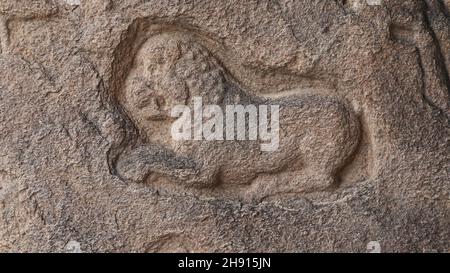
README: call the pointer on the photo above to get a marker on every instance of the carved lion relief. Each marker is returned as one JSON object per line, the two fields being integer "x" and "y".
{"x": 318, "y": 133}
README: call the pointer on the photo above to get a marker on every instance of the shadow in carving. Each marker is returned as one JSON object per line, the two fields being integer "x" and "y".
{"x": 435, "y": 75}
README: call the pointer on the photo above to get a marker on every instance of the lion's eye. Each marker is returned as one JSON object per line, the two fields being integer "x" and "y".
{"x": 160, "y": 102}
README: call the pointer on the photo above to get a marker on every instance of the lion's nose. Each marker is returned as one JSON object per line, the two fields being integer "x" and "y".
{"x": 156, "y": 108}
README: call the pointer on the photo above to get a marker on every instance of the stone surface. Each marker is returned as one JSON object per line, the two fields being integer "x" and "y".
{"x": 88, "y": 164}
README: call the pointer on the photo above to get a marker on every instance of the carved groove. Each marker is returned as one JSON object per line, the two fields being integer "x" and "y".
{"x": 21, "y": 10}
{"x": 435, "y": 75}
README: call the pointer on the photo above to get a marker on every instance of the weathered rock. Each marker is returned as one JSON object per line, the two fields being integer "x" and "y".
{"x": 88, "y": 162}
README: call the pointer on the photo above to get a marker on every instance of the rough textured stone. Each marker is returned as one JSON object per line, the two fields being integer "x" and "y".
{"x": 88, "y": 164}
